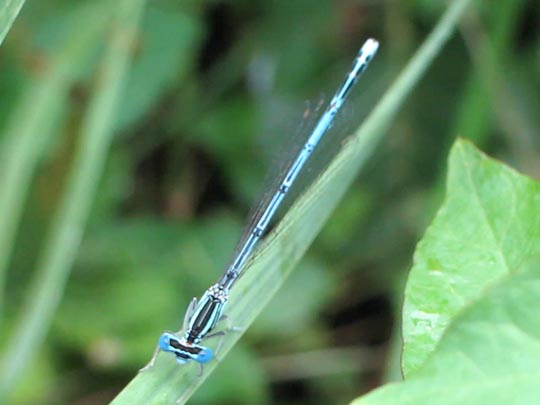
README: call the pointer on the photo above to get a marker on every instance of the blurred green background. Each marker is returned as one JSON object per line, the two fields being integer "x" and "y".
{"x": 212, "y": 87}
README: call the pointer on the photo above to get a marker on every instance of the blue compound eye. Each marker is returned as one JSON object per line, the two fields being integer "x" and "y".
{"x": 205, "y": 355}
{"x": 165, "y": 342}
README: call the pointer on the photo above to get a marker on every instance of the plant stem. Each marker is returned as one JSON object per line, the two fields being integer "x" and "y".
{"x": 68, "y": 225}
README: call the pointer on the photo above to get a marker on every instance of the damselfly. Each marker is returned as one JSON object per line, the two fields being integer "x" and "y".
{"x": 202, "y": 316}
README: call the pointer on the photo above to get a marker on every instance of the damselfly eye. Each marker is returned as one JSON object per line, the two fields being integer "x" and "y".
{"x": 205, "y": 355}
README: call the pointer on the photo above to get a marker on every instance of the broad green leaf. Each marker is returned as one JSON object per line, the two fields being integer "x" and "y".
{"x": 486, "y": 229}
{"x": 490, "y": 353}
{"x": 284, "y": 247}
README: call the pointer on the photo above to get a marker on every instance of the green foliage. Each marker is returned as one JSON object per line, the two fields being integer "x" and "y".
{"x": 38, "y": 110}
{"x": 286, "y": 244}
{"x": 486, "y": 230}
{"x": 211, "y": 90}
{"x": 64, "y": 239}
{"x": 170, "y": 41}
{"x": 470, "y": 321}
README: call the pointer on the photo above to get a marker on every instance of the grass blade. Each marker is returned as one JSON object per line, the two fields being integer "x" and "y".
{"x": 168, "y": 381}
{"x": 30, "y": 126}
{"x": 8, "y": 12}
{"x": 68, "y": 225}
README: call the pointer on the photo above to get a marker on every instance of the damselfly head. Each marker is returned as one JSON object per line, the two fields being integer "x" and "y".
{"x": 183, "y": 350}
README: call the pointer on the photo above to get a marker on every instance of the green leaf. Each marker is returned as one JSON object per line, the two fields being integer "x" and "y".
{"x": 284, "y": 247}
{"x": 471, "y": 320}
{"x": 302, "y": 298}
{"x": 489, "y": 355}
{"x": 485, "y": 230}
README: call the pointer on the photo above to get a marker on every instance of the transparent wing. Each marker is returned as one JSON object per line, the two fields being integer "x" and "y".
{"x": 325, "y": 150}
